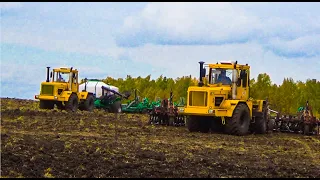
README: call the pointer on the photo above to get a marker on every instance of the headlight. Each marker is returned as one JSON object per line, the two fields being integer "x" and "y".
{"x": 181, "y": 109}
{"x": 55, "y": 97}
{"x": 210, "y": 111}
{"x": 36, "y": 96}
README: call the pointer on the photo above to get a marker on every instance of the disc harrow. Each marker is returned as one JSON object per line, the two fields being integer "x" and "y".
{"x": 302, "y": 123}
{"x": 166, "y": 114}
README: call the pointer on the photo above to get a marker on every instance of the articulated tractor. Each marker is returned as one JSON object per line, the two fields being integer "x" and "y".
{"x": 63, "y": 91}
{"x": 221, "y": 102}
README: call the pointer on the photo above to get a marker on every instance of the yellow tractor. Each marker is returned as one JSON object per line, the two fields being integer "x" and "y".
{"x": 63, "y": 91}
{"x": 221, "y": 102}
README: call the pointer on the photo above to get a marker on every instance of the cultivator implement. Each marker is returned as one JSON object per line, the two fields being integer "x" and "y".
{"x": 166, "y": 114}
{"x": 303, "y": 123}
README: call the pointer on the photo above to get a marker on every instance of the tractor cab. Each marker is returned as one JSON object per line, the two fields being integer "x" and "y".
{"x": 67, "y": 76}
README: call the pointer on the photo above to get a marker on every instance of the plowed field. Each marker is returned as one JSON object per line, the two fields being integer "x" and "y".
{"x": 53, "y": 143}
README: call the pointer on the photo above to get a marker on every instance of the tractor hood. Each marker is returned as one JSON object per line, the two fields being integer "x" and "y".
{"x": 51, "y": 88}
{"x": 218, "y": 90}
{"x": 208, "y": 96}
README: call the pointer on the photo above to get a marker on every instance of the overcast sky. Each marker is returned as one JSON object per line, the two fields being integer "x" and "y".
{"x": 115, "y": 39}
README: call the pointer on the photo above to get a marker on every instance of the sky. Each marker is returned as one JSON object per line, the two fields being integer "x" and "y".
{"x": 117, "y": 39}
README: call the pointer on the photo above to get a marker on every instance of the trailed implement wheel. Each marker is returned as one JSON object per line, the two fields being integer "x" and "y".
{"x": 271, "y": 125}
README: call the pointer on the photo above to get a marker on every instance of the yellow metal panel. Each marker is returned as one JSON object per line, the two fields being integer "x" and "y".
{"x": 228, "y": 66}
{"x": 198, "y": 98}
{"x": 83, "y": 95}
{"x": 226, "y": 109}
{"x": 44, "y": 97}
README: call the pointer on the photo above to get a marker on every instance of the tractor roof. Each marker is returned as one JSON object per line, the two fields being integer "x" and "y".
{"x": 64, "y": 69}
{"x": 228, "y": 65}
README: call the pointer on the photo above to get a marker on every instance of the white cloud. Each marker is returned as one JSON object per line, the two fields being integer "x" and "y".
{"x": 62, "y": 40}
{"x": 222, "y": 23}
{"x": 183, "y": 60}
{"x": 306, "y": 45}
{"x": 207, "y": 21}
{"x": 9, "y": 5}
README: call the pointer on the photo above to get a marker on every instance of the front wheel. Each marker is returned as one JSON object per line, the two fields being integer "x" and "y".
{"x": 193, "y": 124}
{"x": 46, "y": 104}
{"x": 239, "y": 123}
{"x": 72, "y": 103}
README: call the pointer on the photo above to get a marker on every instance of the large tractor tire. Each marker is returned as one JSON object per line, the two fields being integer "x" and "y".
{"x": 72, "y": 103}
{"x": 260, "y": 125}
{"x": 46, "y": 104}
{"x": 204, "y": 126}
{"x": 239, "y": 123}
{"x": 88, "y": 104}
{"x": 193, "y": 123}
{"x": 116, "y": 107}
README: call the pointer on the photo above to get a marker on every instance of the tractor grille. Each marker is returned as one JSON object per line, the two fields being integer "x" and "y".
{"x": 47, "y": 89}
{"x": 198, "y": 98}
{"x": 218, "y": 101}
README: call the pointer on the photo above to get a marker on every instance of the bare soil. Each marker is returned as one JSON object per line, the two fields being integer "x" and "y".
{"x": 51, "y": 143}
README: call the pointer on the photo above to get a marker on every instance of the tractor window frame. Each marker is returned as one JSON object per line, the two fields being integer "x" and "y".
{"x": 244, "y": 78}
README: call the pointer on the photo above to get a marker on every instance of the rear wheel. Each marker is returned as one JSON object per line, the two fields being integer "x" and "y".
{"x": 46, "y": 104}
{"x": 239, "y": 123}
{"x": 72, "y": 103}
{"x": 88, "y": 104}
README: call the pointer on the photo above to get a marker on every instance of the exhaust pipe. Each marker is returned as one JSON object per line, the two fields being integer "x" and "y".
{"x": 200, "y": 84}
{"x": 48, "y": 69}
{"x": 70, "y": 79}
{"x": 234, "y": 81}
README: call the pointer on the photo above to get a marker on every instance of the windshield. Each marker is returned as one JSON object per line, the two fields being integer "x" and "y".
{"x": 223, "y": 76}
{"x": 61, "y": 77}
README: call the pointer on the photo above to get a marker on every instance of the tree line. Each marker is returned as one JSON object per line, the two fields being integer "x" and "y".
{"x": 285, "y": 98}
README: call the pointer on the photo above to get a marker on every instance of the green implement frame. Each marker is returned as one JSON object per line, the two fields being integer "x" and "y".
{"x": 110, "y": 102}
{"x": 137, "y": 106}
